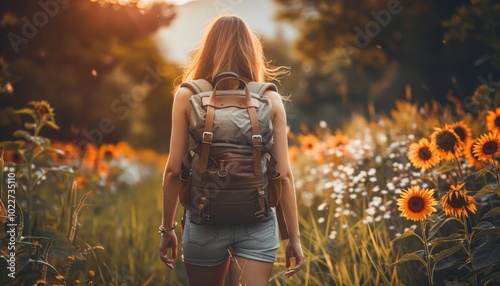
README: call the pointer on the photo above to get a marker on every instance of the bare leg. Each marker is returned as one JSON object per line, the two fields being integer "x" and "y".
{"x": 247, "y": 272}
{"x": 207, "y": 275}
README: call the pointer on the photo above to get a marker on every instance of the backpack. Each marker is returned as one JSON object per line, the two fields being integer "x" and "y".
{"x": 224, "y": 176}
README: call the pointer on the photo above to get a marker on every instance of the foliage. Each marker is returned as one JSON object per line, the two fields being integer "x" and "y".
{"x": 92, "y": 61}
{"x": 341, "y": 70}
{"x": 480, "y": 20}
{"x": 48, "y": 247}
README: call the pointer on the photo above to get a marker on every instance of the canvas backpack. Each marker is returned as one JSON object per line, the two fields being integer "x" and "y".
{"x": 225, "y": 173}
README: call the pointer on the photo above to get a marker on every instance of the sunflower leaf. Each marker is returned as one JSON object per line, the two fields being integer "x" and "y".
{"x": 486, "y": 190}
{"x": 52, "y": 124}
{"x": 446, "y": 167}
{"x": 409, "y": 257}
{"x": 55, "y": 150}
{"x": 492, "y": 213}
{"x": 484, "y": 225}
{"x": 409, "y": 232}
{"x": 22, "y": 134}
{"x": 62, "y": 169}
{"x": 435, "y": 228}
{"x": 447, "y": 252}
{"x": 486, "y": 254}
{"x": 28, "y": 125}
{"x": 40, "y": 141}
{"x": 27, "y": 111}
{"x": 485, "y": 233}
{"x": 454, "y": 237}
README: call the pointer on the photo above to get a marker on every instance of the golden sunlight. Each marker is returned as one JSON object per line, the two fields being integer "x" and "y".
{"x": 144, "y": 3}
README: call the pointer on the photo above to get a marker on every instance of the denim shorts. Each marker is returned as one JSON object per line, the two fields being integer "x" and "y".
{"x": 210, "y": 245}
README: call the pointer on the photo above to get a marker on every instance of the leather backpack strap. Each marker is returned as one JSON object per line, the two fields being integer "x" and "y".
{"x": 198, "y": 85}
{"x": 261, "y": 87}
{"x": 206, "y": 138}
{"x": 256, "y": 140}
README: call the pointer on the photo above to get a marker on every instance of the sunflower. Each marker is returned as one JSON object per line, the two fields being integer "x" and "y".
{"x": 123, "y": 149}
{"x": 456, "y": 202}
{"x": 12, "y": 156}
{"x": 43, "y": 113}
{"x": 416, "y": 203}
{"x": 447, "y": 143}
{"x": 312, "y": 146}
{"x": 472, "y": 159}
{"x": 337, "y": 140}
{"x": 108, "y": 152}
{"x": 422, "y": 156}
{"x": 493, "y": 121}
{"x": 486, "y": 146}
{"x": 462, "y": 130}
{"x": 308, "y": 142}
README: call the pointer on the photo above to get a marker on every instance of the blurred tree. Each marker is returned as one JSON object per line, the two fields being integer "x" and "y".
{"x": 360, "y": 52}
{"x": 96, "y": 63}
{"x": 331, "y": 37}
{"x": 479, "y": 19}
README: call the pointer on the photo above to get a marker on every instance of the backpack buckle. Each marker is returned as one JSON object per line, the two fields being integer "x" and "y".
{"x": 259, "y": 214}
{"x": 207, "y": 138}
{"x": 257, "y": 140}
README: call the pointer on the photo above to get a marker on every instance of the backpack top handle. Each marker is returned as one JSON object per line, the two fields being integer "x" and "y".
{"x": 223, "y": 74}
{"x": 248, "y": 97}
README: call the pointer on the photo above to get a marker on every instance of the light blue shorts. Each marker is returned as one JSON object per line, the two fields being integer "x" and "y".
{"x": 210, "y": 245}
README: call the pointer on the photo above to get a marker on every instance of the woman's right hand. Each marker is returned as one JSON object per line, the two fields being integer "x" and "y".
{"x": 293, "y": 249}
{"x": 168, "y": 241}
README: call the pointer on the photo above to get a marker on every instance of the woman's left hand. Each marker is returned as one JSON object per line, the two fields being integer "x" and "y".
{"x": 293, "y": 250}
{"x": 168, "y": 241}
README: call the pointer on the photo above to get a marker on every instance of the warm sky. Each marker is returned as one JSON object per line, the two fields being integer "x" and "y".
{"x": 184, "y": 34}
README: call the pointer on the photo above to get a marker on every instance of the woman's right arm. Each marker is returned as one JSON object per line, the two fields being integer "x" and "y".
{"x": 170, "y": 192}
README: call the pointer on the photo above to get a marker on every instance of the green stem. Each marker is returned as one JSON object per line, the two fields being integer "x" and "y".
{"x": 468, "y": 241}
{"x": 427, "y": 254}
{"x": 459, "y": 167}
{"x": 31, "y": 182}
{"x": 495, "y": 166}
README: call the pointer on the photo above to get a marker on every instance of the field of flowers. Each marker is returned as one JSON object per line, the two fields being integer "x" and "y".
{"x": 409, "y": 198}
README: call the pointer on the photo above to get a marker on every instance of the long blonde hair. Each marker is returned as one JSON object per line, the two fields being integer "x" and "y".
{"x": 229, "y": 45}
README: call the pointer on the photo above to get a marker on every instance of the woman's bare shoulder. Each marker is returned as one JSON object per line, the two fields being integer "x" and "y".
{"x": 183, "y": 94}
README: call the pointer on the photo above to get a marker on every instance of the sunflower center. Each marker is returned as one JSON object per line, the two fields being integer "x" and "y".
{"x": 457, "y": 202}
{"x": 497, "y": 121}
{"x": 424, "y": 153}
{"x": 490, "y": 148}
{"x": 460, "y": 132}
{"x": 108, "y": 155}
{"x": 416, "y": 204}
{"x": 446, "y": 141}
{"x": 42, "y": 110}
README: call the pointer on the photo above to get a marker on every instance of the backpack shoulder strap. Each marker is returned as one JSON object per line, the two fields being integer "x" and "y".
{"x": 198, "y": 85}
{"x": 261, "y": 87}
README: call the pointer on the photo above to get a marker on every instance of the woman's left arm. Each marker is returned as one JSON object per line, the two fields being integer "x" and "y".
{"x": 288, "y": 201}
